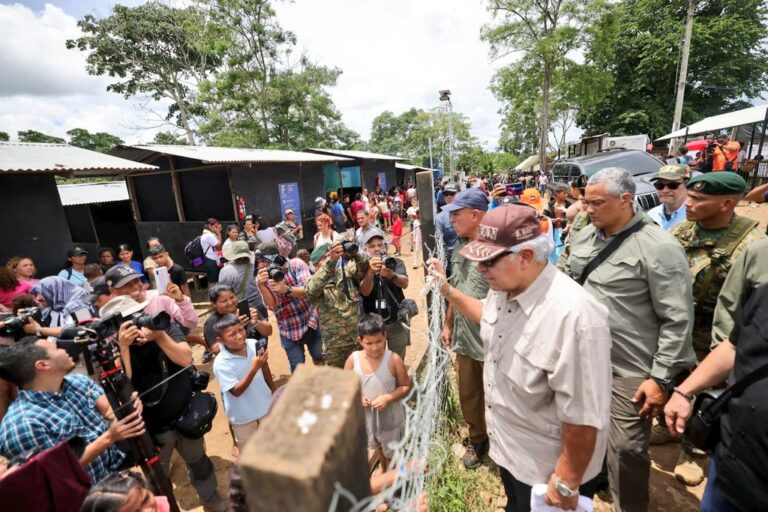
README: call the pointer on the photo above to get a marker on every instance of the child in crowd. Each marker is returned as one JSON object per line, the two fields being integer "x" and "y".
{"x": 240, "y": 369}
{"x": 397, "y": 231}
{"x": 384, "y": 383}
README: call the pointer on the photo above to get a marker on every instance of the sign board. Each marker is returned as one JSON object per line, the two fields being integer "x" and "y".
{"x": 383, "y": 181}
{"x": 350, "y": 177}
{"x": 289, "y": 198}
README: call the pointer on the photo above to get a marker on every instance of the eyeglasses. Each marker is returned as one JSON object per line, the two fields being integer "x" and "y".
{"x": 671, "y": 186}
{"x": 490, "y": 263}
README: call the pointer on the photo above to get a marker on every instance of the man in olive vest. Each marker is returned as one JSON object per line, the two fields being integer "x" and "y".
{"x": 713, "y": 237}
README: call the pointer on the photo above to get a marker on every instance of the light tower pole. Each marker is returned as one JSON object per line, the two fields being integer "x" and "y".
{"x": 445, "y": 95}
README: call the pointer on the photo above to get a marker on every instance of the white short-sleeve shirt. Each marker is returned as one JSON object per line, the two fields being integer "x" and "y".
{"x": 229, "y": 369}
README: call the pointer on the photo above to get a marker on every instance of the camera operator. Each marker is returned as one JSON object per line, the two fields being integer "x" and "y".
{"x": 725, "y": 154}
{"x": 150, "y": 357}
{"x": 281, "y": 282}
{"x": 54, "y": 406}
{"x": 334, "y": 290}
{"x": 382, "y": 290}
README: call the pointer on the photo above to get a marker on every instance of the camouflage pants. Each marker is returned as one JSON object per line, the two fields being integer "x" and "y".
{"x": 702, "y": 339}
{"x": 339, "y": 341}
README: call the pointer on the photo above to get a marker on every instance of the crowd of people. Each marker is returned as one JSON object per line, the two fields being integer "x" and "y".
{"x": 340, "y": 298}
{"x": 582, "y": 328}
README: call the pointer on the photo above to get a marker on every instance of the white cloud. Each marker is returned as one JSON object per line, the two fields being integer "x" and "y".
{"x": 397, "y": 54}
{"x": 394, "y": 55}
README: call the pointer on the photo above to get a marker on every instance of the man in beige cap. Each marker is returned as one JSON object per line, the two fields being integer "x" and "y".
{"x": 547, "y": 372}
{"x": 670, "y": 187}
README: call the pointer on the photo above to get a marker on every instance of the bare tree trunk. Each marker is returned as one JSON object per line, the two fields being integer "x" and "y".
{"x": 544, "y": 123}
{"x": 184, "y": 117}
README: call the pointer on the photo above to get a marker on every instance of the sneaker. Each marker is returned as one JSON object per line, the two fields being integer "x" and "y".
{"x": 660, "y": 435}
{"x": 689, "y": 470}
{"x": 473, "y": 454}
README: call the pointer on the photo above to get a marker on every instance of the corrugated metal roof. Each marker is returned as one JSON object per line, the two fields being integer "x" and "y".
{"x": 356, "y": 154}
{"x": 39, "y": 157}
{"x": 741, "y": 117}
{"x": 220, "y": 155}
{"x": 409, "y": 167}
{"x": 93, "y": 193}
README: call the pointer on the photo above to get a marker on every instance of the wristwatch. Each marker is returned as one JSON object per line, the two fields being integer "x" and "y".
{"x": 666, "y": 385}
{"x": 563, "y": 489}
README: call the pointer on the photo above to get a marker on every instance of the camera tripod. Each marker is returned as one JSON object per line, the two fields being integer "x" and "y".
{"x": 118, "y": 389}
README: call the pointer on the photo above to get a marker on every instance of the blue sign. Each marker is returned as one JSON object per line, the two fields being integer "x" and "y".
{"x": 350, "y": 177}
{"x": 383, "y": 181}
{"x": 289, "y": 198}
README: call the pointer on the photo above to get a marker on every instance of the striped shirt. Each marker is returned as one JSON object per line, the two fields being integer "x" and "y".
{"x": 42, "y": 419}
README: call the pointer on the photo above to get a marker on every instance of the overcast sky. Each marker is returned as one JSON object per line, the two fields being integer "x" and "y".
{"x": 394, "y": 54}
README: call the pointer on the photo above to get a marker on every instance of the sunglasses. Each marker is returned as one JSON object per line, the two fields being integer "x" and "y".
{"x": 670, "y": 186}
{"x": 490, "y": 263}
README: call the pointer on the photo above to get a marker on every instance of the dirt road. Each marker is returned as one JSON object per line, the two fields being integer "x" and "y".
{"x": 219, "y": 441}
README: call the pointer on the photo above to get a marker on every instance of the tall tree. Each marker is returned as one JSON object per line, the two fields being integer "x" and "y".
{"x": 728, "y": 64}
{"x": 169, "y": 138}
{"x": 545, "y": 35}
{"x": 153, "y": 50}
{"x": 4, "y": 137}
{"x": 409, "y": 134}
{"x": 35, "y": 136}
{"x": 99, "y": 141}
{"x": 263, "y": 95}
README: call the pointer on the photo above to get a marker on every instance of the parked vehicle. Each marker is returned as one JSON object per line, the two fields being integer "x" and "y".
{"x": 641, "y": 164}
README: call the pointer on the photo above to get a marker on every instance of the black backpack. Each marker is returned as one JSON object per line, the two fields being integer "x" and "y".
{"x": 194, "y": 252}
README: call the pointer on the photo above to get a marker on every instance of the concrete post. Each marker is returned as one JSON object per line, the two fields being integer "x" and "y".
{"x": 314, "y": 437}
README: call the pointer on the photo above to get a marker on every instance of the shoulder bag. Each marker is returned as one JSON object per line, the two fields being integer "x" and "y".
{"x": 703, "y": 428}
{"x": 609, "y": 249}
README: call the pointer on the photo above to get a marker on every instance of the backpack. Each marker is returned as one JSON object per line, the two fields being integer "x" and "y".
{"x": 194, "y": 252}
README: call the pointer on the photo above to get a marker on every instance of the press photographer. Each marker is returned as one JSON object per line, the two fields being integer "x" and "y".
{"x": 157, "y": 363}
{"x": 382, "y": 291}
{"x": 54, "y": 406}
{"x": 281, "y": 282}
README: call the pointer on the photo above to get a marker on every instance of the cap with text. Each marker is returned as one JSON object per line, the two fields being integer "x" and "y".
{"x": 119, "y": 276}
{"x": 501, "y": 229}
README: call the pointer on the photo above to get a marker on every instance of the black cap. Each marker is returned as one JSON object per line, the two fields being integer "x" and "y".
{"x": 75, "y": 251}
{"x": 120, "y": 275}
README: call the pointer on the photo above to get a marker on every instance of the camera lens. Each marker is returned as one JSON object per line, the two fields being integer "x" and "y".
{"x": 276, "y": 273}
{"x": 157, "y": 322}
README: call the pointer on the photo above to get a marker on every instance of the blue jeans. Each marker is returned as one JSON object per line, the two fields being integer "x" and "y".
{"x": 295, "y": 349}
{"x": 713, "y": 500}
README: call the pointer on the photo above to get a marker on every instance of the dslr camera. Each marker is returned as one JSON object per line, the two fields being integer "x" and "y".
{"x": 14, "y": 325}
{"x": 275, "y": 269}
{"x": 389, "y": 261}
{"x": 350, "y": 248}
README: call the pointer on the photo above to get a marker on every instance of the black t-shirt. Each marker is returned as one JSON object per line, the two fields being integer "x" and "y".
{"x": 177, "y": 274}
{"x": 742, "y": 456}
{"x": 150, "y": 366}
{"x": 386, "y": 290}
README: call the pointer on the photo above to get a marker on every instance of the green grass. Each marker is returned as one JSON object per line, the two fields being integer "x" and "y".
{"x": 451, "y": 487}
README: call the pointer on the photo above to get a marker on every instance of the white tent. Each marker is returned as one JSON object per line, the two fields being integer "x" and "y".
{"x": 741, "y": 117}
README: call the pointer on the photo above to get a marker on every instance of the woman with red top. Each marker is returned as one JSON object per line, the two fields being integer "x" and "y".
{"x": 24, "y": 268}
{"x": 10, "y": 287}
{"x": 397, "y": 231}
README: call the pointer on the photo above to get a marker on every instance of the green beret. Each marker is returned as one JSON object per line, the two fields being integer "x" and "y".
{"x": 719, "y": 183}
{"x": 318, "y": 253}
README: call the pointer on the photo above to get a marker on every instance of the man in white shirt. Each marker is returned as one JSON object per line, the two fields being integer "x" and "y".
{"x": 670, "y": 183}
{"x": 547, "y": 372}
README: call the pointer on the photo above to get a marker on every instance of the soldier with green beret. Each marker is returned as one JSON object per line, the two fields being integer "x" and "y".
{"x": 334, "y": 289}
{"x": 713, "y": 237}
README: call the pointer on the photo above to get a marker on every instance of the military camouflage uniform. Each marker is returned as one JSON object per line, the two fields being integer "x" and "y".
{"x": 711, "y": 253}
{"x": 337, "y": 299}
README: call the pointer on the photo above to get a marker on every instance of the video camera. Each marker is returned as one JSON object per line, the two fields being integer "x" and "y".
{"x": 14, "y": 325}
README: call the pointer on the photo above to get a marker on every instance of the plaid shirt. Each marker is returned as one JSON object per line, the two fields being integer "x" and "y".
{"x": 41, "y": 419}
{"x": 294, "y": 316}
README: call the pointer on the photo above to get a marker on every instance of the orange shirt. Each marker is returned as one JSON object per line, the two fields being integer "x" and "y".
{"x": 728, "y": 153}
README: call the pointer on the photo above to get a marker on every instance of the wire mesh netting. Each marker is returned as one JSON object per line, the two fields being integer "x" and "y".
{"x": 423, "y": 417}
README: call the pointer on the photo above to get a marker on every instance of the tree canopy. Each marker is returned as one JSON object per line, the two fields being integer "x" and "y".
{"x": 728, "y": 64}
{"x": 35, "y": 136}
{"x": 100, "y": 141}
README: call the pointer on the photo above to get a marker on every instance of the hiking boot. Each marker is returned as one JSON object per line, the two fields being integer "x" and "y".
{"x": 660, "y": 435}
{"x": 689, "y": 469}
{"x": 473, "y": 454}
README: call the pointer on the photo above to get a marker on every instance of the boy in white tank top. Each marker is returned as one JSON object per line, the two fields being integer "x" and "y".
{"x": 384, "y": 383}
